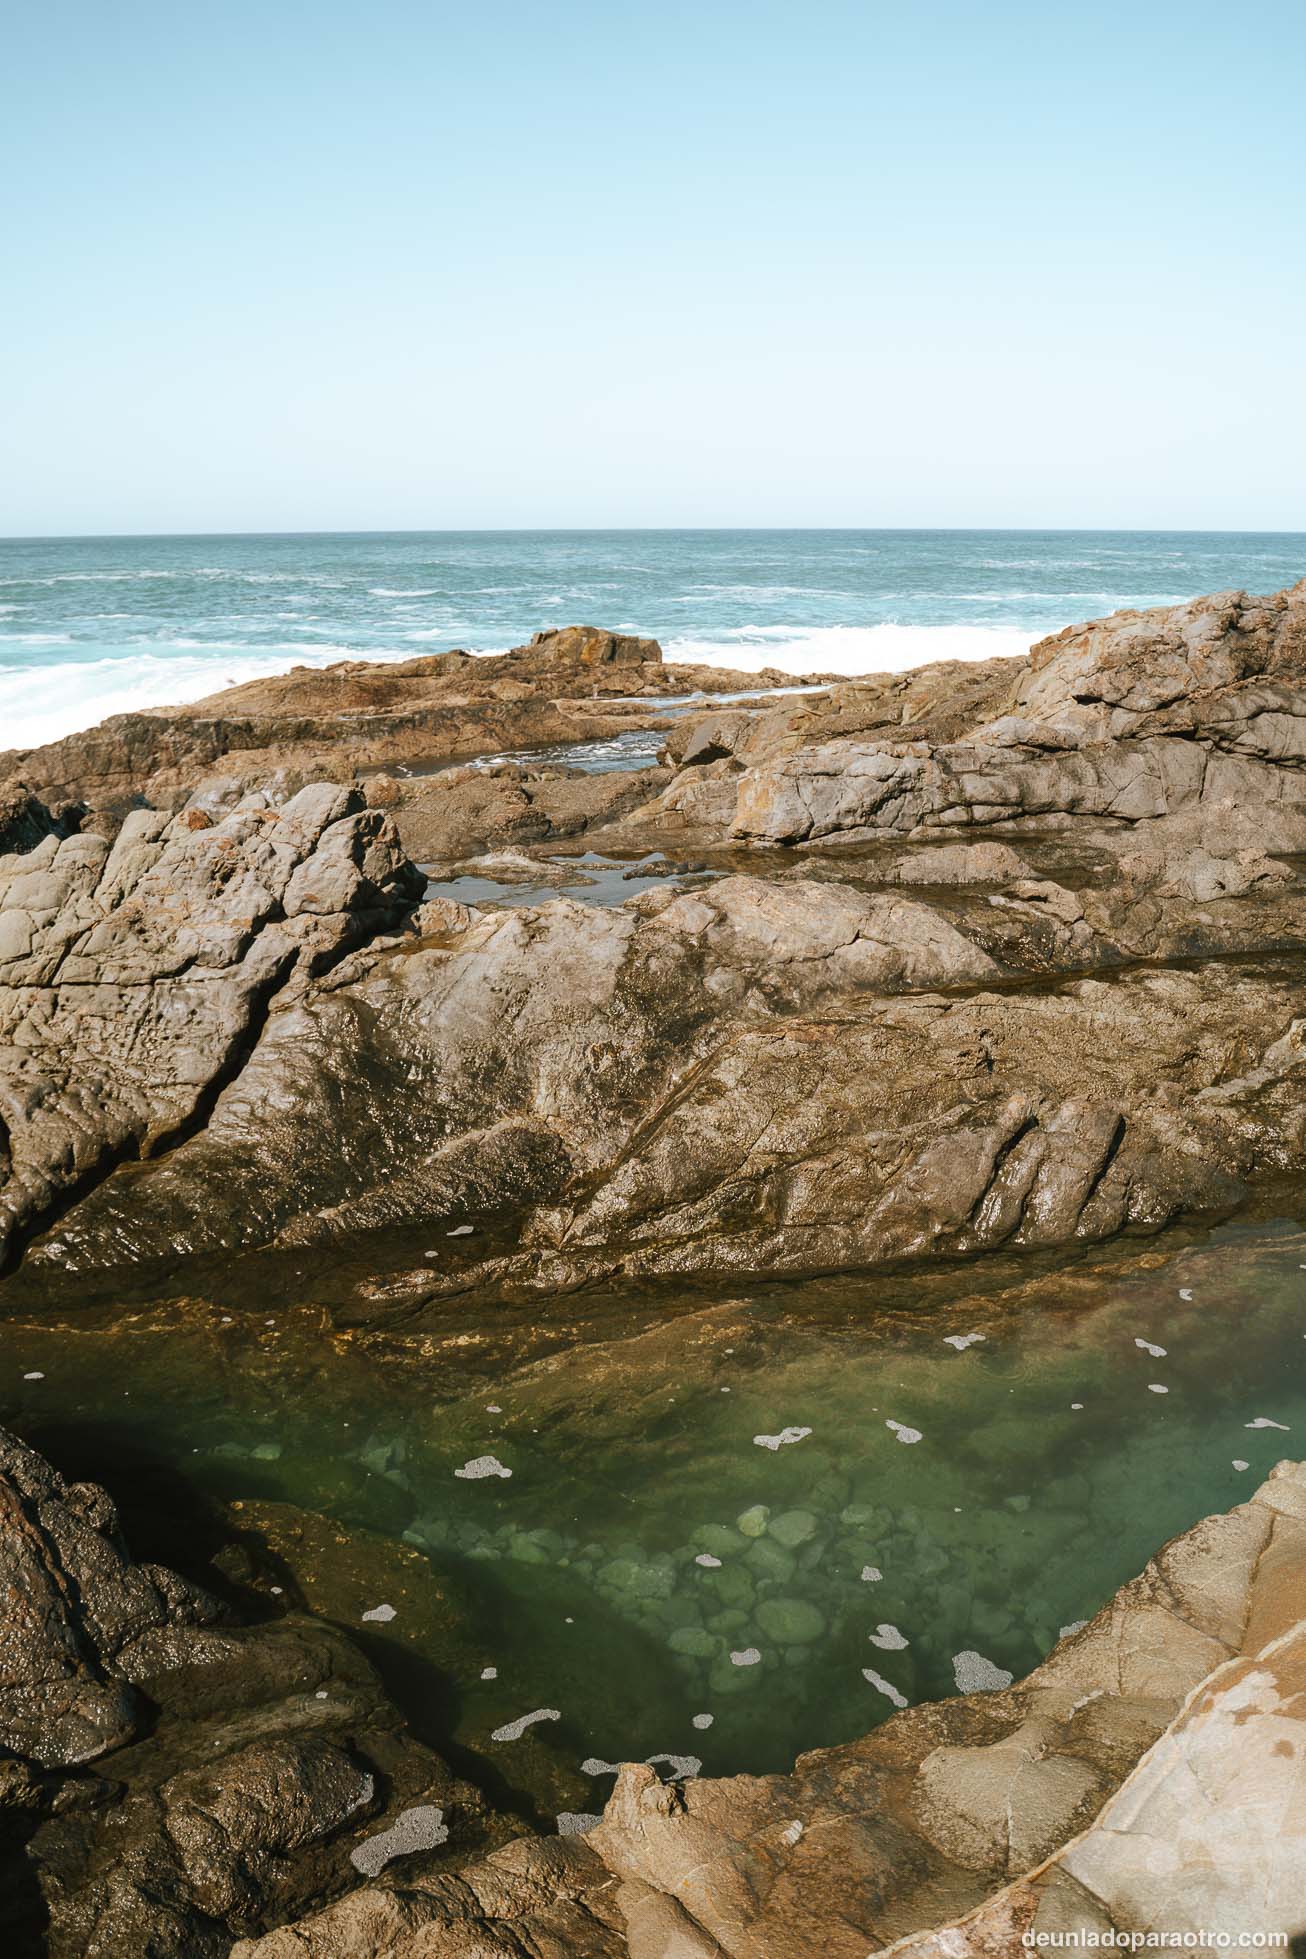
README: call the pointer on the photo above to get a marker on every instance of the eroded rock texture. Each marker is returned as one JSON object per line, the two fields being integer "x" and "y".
{"x": 579, "y": 683}
{"x": 135, "y": 975}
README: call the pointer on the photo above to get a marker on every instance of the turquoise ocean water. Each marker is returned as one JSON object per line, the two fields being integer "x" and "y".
{"x": 92, "y": 626}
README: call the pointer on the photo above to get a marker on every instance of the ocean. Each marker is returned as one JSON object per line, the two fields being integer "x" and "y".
{"x": 93, "y": 626}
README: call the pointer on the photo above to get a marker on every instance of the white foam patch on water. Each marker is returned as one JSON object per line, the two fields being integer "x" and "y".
{"x": 1263, "y": 1421}
{"x": 481, "y": 1466}
{"x": 805, "y": 650}
{"x": 514, "y": 1730}
{"x": 903, "y": 1433}
{"x": 380, "y": 1615}
{"x": 1148, "y": 1347}
{"x": 1076, "y": 1625}
{"x": 747, "y": 1656}
{"x": 976, "y": 1675}
{"x": 886, "y": 1687}
{"x": 1238, "y": 1463}
{"x": 888, "y": 1638}
{"x": 961, "y": 1340}
{"x": 786, "y": 1435}
{"x": 871, "y": 1574}
{"x": 703, "y": 1720}
{"x": 683, "y": 1767}
{"x": 422, "y": 1828}
{"x": 708, "y": 1562}
{"x": 1157, "y": 1387}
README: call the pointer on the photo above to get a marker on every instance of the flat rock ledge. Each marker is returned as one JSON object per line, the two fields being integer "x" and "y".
{"x": 1146, "y": 1777}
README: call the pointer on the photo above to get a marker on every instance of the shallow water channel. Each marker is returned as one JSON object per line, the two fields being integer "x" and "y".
{"x": 713, "y": 1529}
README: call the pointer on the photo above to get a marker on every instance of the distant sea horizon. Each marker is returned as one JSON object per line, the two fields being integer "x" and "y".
{"x": 93, "y": 626}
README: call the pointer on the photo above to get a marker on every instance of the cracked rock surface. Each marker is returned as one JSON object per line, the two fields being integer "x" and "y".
{"x": 135, "y": 975}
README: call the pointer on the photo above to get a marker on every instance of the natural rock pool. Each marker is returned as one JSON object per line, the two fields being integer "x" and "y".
{"x": 711, "y": 1530}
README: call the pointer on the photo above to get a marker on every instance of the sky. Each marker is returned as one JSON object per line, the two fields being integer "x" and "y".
{"x": 293, "y": 267}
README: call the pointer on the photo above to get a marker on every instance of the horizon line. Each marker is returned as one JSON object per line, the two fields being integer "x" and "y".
{"x": 645, "y": 530}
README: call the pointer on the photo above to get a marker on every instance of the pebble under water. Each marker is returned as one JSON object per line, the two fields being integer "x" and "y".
{"x": 716, "y": 1531}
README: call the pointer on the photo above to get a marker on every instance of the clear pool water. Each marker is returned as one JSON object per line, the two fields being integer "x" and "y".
{"x": 728, "y": 1529}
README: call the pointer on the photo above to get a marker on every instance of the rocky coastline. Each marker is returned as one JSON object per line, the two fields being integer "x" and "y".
{"x": 998, "y": 958}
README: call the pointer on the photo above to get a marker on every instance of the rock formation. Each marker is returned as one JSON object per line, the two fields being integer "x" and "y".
{"x": 134, "y": 977}
{"x": 920, "y": 1044}
{"x": 237, "y": 1765}
{"x": 247, "y": 1771}
{"x": 330, "y": 723}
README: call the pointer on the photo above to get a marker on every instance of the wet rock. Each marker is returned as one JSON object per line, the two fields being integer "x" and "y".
{"x": 82, "y": 1622}
{"x": 375, "y": 718}
{"x": 937, "y": 1812}
{"x": 793, "y": 1527}
{"x": 677, "y": 1085}
{"x": 238, "y": 1760}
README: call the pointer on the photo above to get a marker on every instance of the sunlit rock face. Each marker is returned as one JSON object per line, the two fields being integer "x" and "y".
{"x": 135, "y": 976}
{"x": 795, "y": 1061}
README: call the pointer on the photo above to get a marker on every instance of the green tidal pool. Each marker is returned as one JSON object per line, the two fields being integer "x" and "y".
{"x": 713, "y": 1531}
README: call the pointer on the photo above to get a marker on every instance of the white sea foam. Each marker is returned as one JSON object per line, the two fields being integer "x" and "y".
{"x": 848, "y": 649}
{"x": 41, "y": 701}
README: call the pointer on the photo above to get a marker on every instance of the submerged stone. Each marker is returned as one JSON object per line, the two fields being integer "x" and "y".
{"x": 790, "y": 1621}
{"x": 770, "y": 1561}
{"x": 695, "y": 1642}
{"x": 793, "y": 1527}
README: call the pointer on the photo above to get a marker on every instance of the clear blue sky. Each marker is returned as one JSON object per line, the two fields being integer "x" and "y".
{"x": 415, "y": 265}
